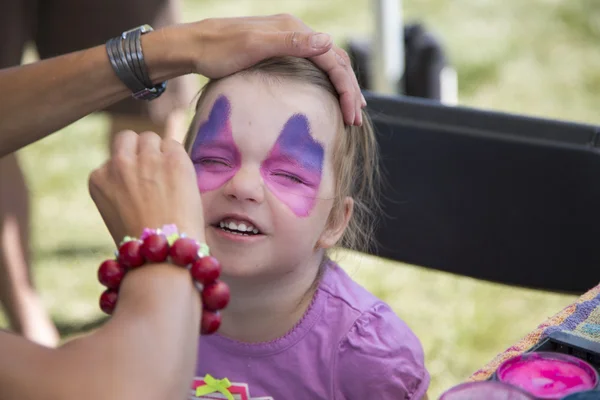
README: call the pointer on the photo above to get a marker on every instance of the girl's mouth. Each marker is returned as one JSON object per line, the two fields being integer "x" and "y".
{"x": 236, "y": 227}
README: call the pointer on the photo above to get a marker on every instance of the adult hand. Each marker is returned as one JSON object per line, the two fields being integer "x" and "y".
{"x": 223, "y": 46}
{"x": 146, "y": 183}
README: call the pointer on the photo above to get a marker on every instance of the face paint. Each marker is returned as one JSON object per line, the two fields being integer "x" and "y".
{"x": 293, "y": 168}
{"x": 214, "y": 153}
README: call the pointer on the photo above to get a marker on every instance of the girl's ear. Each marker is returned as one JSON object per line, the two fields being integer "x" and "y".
{"x": 337, "y": 225}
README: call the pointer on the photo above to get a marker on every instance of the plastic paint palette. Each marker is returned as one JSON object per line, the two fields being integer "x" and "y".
{"x": 488, "y": 390}
{"x": 561, "y": 367}
{"x": 548, "y": 375}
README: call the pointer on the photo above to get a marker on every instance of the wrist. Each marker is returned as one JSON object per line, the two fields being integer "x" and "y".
{"x": 167, "y": 53}
{"x": 161, "y": 246}
{"x": 145, "y": 289}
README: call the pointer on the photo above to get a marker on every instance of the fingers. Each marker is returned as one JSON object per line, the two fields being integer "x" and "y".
{"x": 148, "y": 143}
{"x": 291, "y": 43}
{"x": 170, "y": 145}
{"x": 252, "y": 39}
{"x": 351, "y": 98}
{"x": 148, "y": 157}
{"x": 148, "y": 181}
{"x": 358, "y": 97}
{"x": 124, "y": 144}
{"x": 333, "y": 60}
{"x": 335, "y": 66}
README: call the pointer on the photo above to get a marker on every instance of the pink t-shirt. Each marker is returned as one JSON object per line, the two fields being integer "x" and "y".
{"x": 348, "y": 345}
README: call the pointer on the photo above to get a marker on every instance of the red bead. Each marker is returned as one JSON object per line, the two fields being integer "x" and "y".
{"x": 108, "y": 301}
{"x": 130, "y": 255}
{"x": 155, "y": 248}
{"x": 215, "y": 296}
{"x": 184, "y": 251}
{"x": 211, "y": 321}
{"x": 111, "y": 273}
{"x": 206, "y": 270}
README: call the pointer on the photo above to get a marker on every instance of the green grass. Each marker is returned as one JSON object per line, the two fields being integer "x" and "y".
{"x": 530, "y": 57}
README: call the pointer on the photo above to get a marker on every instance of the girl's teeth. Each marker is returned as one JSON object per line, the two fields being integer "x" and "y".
{"x": 238, "y": 227}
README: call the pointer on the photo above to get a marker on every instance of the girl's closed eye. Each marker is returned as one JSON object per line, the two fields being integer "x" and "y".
{"x": 214, "y": 161}
{"x": 290, "y": 177}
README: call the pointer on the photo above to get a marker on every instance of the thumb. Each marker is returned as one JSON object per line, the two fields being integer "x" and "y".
{"x": 297, "y": 44}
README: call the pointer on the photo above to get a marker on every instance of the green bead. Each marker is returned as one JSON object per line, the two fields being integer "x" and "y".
{"x": 172, "y": 238}
{"x": 204, "y": 250}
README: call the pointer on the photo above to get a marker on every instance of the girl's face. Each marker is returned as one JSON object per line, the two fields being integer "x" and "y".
{"x": 263, "y": 160}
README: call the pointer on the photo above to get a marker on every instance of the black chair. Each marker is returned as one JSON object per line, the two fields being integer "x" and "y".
{"x": 424, "y": 60}
{"x": 493, "y": 196}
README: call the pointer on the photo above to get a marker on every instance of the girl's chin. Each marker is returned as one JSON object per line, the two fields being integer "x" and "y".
{"x": 239, "y": 265}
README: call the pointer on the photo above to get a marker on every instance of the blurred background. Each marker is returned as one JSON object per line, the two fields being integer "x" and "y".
{"x": 537, "y": 57}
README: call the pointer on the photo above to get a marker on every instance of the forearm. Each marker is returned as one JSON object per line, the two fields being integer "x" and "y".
{"x": 41, "y": 98}
{"x": 146, "y": 350}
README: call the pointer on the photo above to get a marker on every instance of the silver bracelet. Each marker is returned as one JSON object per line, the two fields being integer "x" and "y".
{"x": 127, "y": 60}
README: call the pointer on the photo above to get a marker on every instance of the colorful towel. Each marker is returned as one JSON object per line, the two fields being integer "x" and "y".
{"x": 581, "y": 318}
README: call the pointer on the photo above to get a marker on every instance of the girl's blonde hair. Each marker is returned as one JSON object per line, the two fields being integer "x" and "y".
{"x": 355, "y": 152}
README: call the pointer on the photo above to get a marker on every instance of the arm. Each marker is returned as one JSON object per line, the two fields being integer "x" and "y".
{"x": 40, "y": 98}
{"x": 148, "y": 348}
{"x": 145, "y": 350}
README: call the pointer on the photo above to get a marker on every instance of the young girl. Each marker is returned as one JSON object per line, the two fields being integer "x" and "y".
{"x": 283, "y": 181}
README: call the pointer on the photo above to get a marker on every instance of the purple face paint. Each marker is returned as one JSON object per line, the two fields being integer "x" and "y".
{"x": 214, "y": 153}
{"x": 293, "y": 168}
{"x": 548, "y": 375}
{"x": 488, "y": 390}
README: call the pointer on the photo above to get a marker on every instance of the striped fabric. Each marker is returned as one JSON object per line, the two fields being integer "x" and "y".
{"x": 581, "y": 318}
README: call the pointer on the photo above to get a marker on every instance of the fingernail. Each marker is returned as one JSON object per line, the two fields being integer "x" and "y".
{"x": 364, "y": 101}
{"x": 320, "y": 40}
{"x": 359, "y": 119}
{"x": 340, "y": 60}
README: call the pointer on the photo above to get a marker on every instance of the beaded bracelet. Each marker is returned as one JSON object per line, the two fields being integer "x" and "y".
{"x": 167, "y": 245}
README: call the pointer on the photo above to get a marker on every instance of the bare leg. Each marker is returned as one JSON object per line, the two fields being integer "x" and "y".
{"x": 21, "y": 302}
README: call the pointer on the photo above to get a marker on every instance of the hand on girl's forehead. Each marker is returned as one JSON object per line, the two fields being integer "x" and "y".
{"x": 292, "y": 168}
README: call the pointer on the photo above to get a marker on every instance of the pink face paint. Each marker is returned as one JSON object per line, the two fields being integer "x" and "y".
{"x": 214, "y": 153}
{"x": 488, "y": 390}
{"x": 293, "y": 168}
{"x": 548, "y": 375}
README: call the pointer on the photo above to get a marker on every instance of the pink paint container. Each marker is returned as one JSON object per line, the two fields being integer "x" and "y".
{"x": 485, "y": 390}
{"x": 548, "y": 375}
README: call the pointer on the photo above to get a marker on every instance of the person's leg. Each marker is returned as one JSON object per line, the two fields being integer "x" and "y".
{"x": 97, "y": 21}
{"x": 22, "y": 305}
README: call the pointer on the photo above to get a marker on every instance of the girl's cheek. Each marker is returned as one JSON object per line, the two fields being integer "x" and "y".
{"x": 211, "y": 180}
{"x": 299, "y": 198}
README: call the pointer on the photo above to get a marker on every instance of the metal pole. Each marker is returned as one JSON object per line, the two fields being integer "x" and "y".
{"x": 388, "y": 60}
